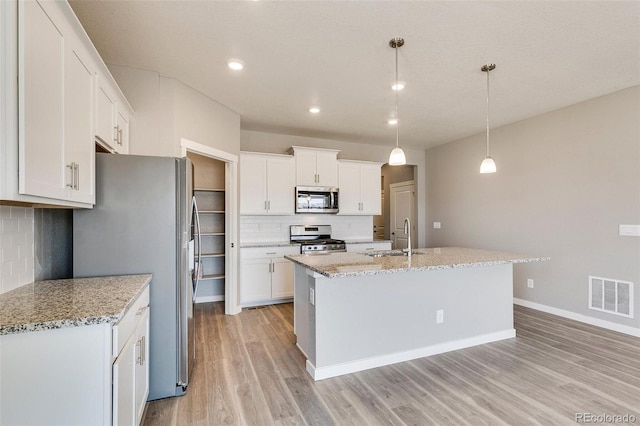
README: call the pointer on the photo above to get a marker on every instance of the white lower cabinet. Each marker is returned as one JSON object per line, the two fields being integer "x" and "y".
{"x": 70, "y": 375}
{"x": 265, "y": 276}
{"x": 363, "y": 247}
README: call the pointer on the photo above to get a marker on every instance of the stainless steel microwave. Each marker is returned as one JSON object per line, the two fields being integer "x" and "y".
{"x": 316, "y": 199}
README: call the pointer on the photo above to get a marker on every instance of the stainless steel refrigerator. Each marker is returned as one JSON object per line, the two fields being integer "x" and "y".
{"x": 144, "y": 221}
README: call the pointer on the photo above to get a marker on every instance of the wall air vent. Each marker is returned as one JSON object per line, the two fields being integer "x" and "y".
{"x": 612, "y": 296}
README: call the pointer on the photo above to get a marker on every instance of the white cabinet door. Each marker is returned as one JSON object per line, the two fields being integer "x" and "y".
{"x": 56, "y": 103}
{"x": 326, "y": 169}
{"x": 41, "y": 103}
{"x": 359, "y": 188}
{"x": 305, "y": 168}
{"x": 105, "y": 117}
{"x": 255, "y": 280}
{"x": 280, "y": 185}
{"x": 349, "y": 195}
{"x": 78, "y": 124}
{"x": 142, "y": 365}
{"x": 281, "y": 278}
{"x": 122, "y": 130}
{"x": 253, "y": 184}
{"x": 316, "y": 167}
{"x": 124, "y": 385}
{"x": 370, "y": 189}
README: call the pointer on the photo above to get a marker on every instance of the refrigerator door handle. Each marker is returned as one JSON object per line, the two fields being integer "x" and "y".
{"x": 196, "y": 270}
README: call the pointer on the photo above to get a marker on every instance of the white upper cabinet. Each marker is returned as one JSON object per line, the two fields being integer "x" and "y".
{"x": 266, "y": 184}
{"x": 359, "y": 184}
{"x": 49, "y": 106}
{"x": 112, "y": 117}
{"x": 56, "y": 106}
{"x": 316, "y": 167}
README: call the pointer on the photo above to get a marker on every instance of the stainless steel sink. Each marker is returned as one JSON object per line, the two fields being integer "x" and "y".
{"x": 386, "y": 253}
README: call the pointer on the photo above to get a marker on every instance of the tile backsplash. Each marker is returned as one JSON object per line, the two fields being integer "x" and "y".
{"x": 16, "y": 247}
{"x": 276, "y": 228}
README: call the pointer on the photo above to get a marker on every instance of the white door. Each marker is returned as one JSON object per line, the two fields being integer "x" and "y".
{"x": 401, "y": 206}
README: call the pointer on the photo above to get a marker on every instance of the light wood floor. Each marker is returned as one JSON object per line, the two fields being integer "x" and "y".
{"x": 249, "y": 372}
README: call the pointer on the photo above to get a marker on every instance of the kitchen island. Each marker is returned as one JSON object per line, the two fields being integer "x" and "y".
{"x": 355, "y": 311}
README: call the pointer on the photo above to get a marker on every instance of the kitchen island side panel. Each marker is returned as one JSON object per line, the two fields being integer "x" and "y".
{"x": 359, "y": 318}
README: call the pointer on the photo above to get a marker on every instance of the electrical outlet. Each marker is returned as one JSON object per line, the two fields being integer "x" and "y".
{"x": 312, "y": 296}
{"x": 437, "y": 225}
{"x": 530, "y": 283}
{"x": 440, "y": 316}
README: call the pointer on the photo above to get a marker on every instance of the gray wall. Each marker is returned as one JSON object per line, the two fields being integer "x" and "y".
{"x": 167, "y": 110}
{"x": 565, "y": 181}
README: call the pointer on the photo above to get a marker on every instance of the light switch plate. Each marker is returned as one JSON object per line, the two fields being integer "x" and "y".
{"x": 436, "y": 225}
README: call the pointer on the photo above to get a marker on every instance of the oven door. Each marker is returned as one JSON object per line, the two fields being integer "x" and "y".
{"x": 316, "y": 199}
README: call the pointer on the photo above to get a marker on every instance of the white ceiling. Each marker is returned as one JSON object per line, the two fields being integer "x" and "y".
{"x": 335, "y": 54}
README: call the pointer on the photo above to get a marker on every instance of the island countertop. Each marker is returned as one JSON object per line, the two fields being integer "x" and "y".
{"x": 336, "y": 265}
{"x": 46, "y": 305}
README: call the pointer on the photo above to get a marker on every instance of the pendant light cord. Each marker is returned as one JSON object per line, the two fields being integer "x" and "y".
{"x": 397, "y": 90}
{"x": 488, "y": 71}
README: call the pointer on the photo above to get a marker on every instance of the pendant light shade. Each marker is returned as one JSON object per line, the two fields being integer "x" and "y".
{"x": 488, "y": 165}
{"x": 397, "y": 157}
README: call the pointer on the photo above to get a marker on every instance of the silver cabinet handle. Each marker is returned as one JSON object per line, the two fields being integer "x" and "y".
{"x": 273, "y": 267}
{"x": 271, "y": 252}
{"x": 143, "y": 346}
{"x": 139, "y": 357}
{"x": 73, "y": 175}
{"x": 269, "y": 205}
{"x": 115, "y": 134}
{"x": 265, "y": 205}
{"x": 119, "y": 136}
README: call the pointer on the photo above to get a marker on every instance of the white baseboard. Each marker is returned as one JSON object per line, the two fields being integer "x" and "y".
{"x": 388, "y": 359}
{"x": 209, "y": 299}
{"x": 632, "y": 331}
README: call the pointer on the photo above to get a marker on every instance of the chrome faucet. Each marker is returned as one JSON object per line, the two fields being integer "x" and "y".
{"x": 407, "y": 230}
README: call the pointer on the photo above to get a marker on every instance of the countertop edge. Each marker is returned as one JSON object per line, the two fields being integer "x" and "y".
{"x": 415, "y": 268}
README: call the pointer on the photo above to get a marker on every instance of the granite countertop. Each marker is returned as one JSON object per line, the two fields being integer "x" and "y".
{"x": 366, "y": 241}
{"x": 338, "y": 265}
{"x": 45, "y": 305}
{"x": 288, "y": 243}
{"x": 268, "y": 244}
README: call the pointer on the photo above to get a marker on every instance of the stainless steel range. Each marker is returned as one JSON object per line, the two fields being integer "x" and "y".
{"x": 315, "y": 239}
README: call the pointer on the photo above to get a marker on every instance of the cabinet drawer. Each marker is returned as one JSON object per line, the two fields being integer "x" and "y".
{"x": 268, "y": 252}
{"x": 124, "y": 328}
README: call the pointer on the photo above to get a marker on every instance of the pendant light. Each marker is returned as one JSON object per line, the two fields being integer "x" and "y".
{"x": 397, "y": 157}
{"x": 488, "y": 165}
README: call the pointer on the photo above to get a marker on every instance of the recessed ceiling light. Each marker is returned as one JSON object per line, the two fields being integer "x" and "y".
{"x": 314, "y": 110}
{"x": 398, "y": 85}
{"x": 393, "y": 121}
{"x": 235, "y": 64}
